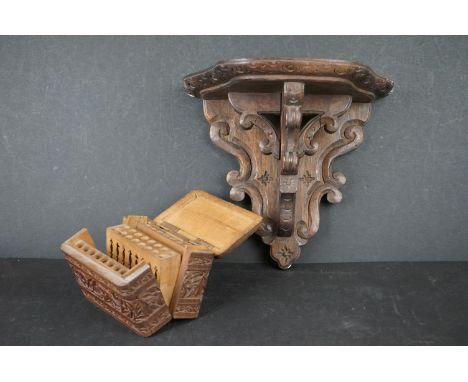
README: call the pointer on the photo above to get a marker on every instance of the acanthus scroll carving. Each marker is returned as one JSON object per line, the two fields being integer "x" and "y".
{"x": 273, "y": 186}
{"x": 350, "y": 137}
{"x": 285, "y": 121}
{"x": 219, "y": 132}
{"x": 306, "y": 143}
{"x": 241, "y": 182}
{"x": 269, "y": 144}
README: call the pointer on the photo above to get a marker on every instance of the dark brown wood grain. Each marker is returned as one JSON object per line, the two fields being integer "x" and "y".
{"x": 262, "y": 74}
{"x": 286, "y": 120}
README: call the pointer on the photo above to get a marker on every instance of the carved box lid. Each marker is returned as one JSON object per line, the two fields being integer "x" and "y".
{"x": 207, "y": 219}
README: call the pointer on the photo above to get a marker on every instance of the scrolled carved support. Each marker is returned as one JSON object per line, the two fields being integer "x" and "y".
{"x": 269, "y": 144}
{"x": 240, "y": 180}
{"x": 291, "y": 118}
{"x": 352, "y": 136}
{"x": 219, "y": 133}
{"x": 306, "y": 143}
{"x": 328, "y": 123}
{"x": 286, "y": 120}
{"x": 309, "y": 229}
{"x": 344, "y": 131}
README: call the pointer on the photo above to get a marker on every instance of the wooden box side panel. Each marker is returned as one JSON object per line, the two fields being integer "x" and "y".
{"x": 191, "y": 283}
{"x": 136, "y": 302}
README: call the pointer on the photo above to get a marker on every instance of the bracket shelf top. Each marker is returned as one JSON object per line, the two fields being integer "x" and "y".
{"x": 268, "y": 75}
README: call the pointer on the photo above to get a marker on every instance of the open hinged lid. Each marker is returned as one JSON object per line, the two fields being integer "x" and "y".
{"x": 207, "y": 219}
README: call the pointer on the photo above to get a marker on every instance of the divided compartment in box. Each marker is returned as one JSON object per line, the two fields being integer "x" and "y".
{"x": 131, "y": 246}
{"x": 129, "y": 294}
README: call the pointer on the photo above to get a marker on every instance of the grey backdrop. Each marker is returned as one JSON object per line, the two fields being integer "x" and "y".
{"x": 94, "y": 128}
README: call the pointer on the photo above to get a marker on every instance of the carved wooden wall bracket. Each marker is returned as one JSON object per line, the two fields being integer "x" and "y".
{"x": 285, "y": 120}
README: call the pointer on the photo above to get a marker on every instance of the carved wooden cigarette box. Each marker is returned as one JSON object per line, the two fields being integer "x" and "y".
{"x": 156, "y": 269}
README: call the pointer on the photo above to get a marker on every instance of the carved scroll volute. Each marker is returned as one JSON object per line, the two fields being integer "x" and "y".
{"x": 227, "y": 133}
{"x": 291, "y": 117}
{"x": 252, "y": 108}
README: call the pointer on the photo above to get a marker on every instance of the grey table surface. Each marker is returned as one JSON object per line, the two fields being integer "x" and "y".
{"x": 254, "y": 304}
